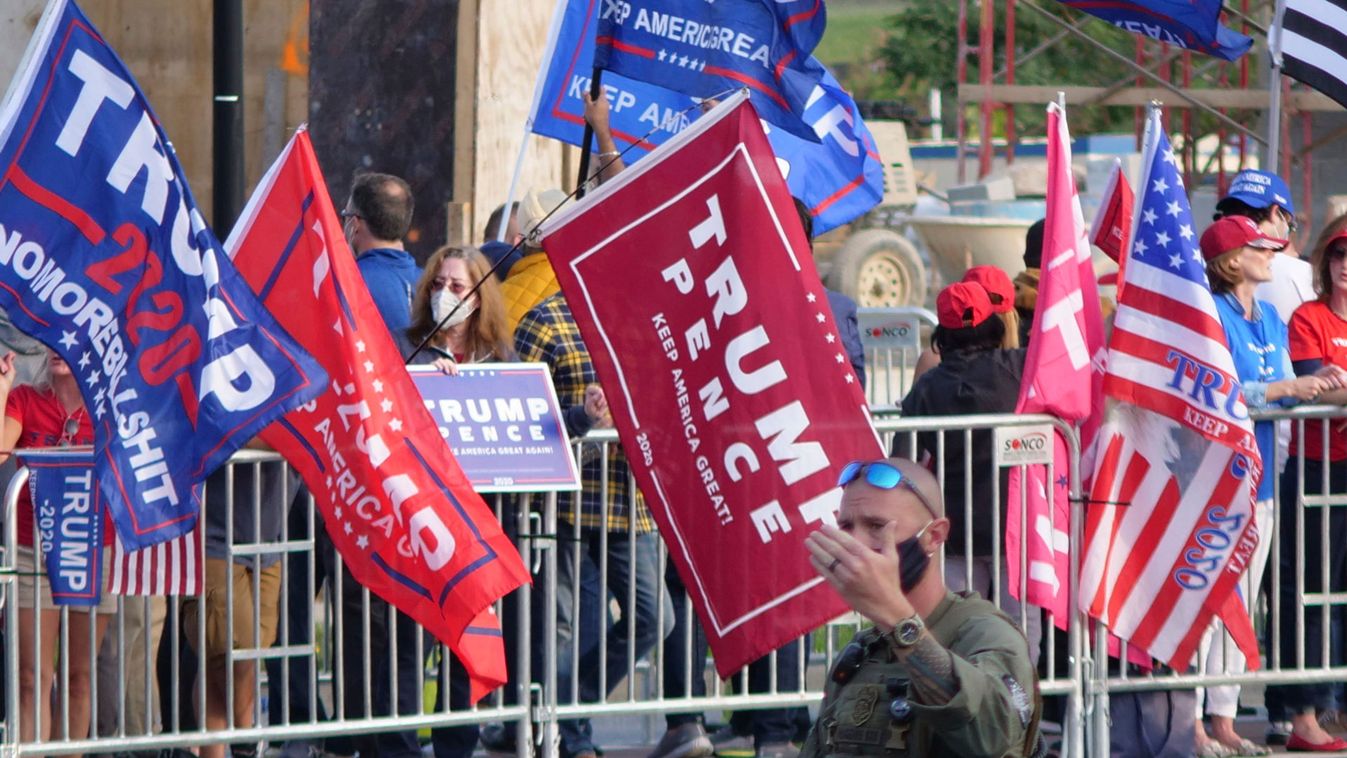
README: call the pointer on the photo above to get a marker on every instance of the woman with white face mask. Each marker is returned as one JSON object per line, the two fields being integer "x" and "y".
{"x": 463, "y": 327}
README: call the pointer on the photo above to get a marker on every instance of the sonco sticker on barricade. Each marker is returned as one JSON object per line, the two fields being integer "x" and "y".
{"x": 888, "y": 330}
{"x": 503, "y": 422}
{"x": 1021, "y": 445}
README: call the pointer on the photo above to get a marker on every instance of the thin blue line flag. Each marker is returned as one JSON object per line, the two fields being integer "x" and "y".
{"x": 105, "y": 257}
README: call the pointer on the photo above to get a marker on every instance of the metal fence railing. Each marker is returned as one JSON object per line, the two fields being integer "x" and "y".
{"x": 605, "y": 630}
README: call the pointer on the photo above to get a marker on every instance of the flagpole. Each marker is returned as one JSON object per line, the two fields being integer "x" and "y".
{"x": 595, "y": 87}
{"x": 1274, "y": 125}
{"x": 514, "y": 181}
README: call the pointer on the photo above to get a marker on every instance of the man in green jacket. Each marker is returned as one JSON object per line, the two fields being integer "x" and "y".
{"x": 939, "y": 673}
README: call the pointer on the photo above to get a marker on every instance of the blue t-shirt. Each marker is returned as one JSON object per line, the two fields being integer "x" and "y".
{"x": 390, "y": 275}
{"x": 1262, "y": 356}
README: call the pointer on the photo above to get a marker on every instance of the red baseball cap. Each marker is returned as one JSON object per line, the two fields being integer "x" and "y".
{"x": 999, "y": 289}
{"x": 1232, "y": 233}
{"x": 955, "y": 303}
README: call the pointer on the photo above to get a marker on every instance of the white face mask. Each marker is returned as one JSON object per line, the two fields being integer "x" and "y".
{"x": 442, "y": 302}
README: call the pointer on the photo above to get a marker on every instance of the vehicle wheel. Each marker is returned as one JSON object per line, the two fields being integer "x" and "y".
{"x": 879, "y": 269}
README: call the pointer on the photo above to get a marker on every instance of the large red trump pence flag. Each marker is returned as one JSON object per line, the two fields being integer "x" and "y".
{"x": 396, "y": 504}
{"x": 693, "y": 286}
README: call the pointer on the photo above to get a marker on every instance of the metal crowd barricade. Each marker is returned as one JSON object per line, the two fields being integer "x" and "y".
{"x": 314, "y": 653}
{"x": 1064, "y": 663}
{"x": 893, "y": 339}
{"x": 548, "y": 534}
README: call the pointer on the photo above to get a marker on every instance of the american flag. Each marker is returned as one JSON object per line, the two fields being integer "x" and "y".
{"x": 1170, "y": 525}
{"x": 168, "y": 568}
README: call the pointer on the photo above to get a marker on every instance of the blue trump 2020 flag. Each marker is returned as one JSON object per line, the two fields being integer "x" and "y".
{"x": 839, "y": 177}
{"x": 1190, "y": 24}
{"x": 706, "y": 49}
{"x": 105, "y": 257}
{"x": 69, "y": 520}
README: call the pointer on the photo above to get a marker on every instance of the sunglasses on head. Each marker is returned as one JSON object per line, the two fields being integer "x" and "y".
{"x": 883, "y": 475}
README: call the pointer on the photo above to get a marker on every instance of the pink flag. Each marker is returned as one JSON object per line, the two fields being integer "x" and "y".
{"x": 1061, "y": 377}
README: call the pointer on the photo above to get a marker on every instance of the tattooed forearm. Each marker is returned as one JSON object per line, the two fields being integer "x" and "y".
{"x": 932, "y": 671}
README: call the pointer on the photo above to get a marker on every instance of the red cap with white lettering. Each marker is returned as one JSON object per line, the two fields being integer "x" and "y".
{"x": 1232, "y": 233}
{"x": 963, "y": 304}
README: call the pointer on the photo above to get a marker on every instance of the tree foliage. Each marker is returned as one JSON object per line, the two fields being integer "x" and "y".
{"x": 922, "y": 49}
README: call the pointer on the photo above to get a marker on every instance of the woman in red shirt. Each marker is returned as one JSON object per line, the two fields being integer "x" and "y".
{"x": 49, "y": 413}
{"x": 1318, "y": 338}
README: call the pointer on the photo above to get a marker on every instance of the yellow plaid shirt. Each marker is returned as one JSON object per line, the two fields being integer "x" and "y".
{"x": 548, "y": 334}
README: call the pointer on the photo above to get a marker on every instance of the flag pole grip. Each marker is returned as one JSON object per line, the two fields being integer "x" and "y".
{"x": 595, "y": 87}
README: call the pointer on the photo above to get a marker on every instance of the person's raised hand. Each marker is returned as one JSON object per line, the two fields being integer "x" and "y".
{"x": 596, "y": 112}
{"x": 866, "y": 579}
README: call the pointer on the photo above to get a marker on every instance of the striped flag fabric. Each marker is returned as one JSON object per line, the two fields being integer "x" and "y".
{"x": 1061, "y": 378}
{"x": 168, "y": 568}
{"x": 1313, "y": 45}
{"x": 1170, "y": 525}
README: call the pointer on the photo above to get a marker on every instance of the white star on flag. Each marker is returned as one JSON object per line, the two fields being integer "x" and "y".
{"x": 336, "y": 511}
{"x": 1141, "y": 247}
{"x": 1175, "y": 261}
{"x": 820, "y": 317}
{"x": 362, "y": 542}
{"x": 1173, "y": 208}
{"x": 662, "y": 55}
{"x": 95, "y": 378}
{"x": 386, "y": 405}
{"x": 84, "y": 359}
{"x": 840, "y": 358}
{"x": 347, "y": 527}
{"x": 369, "y": 366}
{"x": 395, "y": 424}
{"x": 1160, "y": 185}
{"x": 850, "y": 378}
{"x": 1186, "y": 231}
{"x": 99, "y": 395}
{"x": 830, "y": 338}
{"x": 360, "y": 346}
{"x": 1162, "y": 239}
{"x": 811, "y": 297}
{"x": 68, "y": 339}
{"x": 1148, "y": 216}
{"x": 378, "y": 385}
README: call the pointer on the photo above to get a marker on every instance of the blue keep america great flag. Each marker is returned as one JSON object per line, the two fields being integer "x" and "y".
{"x": 839, "y": 176}
{"x": 105, "y": 257}
{"x": 1190, "y": 24}
{"x": 707, "y": 49}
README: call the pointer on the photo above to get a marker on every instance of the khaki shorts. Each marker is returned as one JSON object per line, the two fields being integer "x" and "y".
{"x": 31, "y": 575}
{"x": 265, "y": 612}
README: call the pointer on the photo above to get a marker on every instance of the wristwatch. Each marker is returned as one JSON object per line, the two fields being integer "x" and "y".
{"x": 906, "y": 632}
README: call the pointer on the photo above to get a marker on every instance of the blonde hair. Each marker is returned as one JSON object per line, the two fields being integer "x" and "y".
{"x": 1011, "y": 340}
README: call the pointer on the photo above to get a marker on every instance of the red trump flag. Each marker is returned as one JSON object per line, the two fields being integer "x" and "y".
{"x": 396, "y": 504}
{"x": 692, "y": 283}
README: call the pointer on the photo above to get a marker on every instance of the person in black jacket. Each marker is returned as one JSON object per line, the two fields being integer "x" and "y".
{"x": 975, "y": 375}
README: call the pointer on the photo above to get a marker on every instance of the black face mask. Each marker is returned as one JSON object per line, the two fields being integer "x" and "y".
{"x": 912, "y": 561}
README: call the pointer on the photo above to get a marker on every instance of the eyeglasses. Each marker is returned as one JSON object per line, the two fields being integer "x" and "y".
{"x": 1292, "y": 225}
{"x": 883, "y": 475}
{"x": 68, "y": 432}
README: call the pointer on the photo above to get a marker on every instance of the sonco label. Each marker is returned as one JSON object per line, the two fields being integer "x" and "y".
{"x": 1020, "y": 445}
{"x": 889, "y": 331}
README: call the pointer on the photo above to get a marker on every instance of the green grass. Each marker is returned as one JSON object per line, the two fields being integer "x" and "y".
{"x": 855, "y": 31}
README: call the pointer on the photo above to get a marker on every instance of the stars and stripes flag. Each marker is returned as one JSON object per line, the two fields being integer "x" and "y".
{"x": 168, "y": 568}
{"x": 1170, "y": 525}
{"x": 1061, "y": 377}
{"x": 1312, "y": 44}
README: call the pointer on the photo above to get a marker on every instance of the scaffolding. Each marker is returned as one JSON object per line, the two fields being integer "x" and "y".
{"x": 1253, "y": 107}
